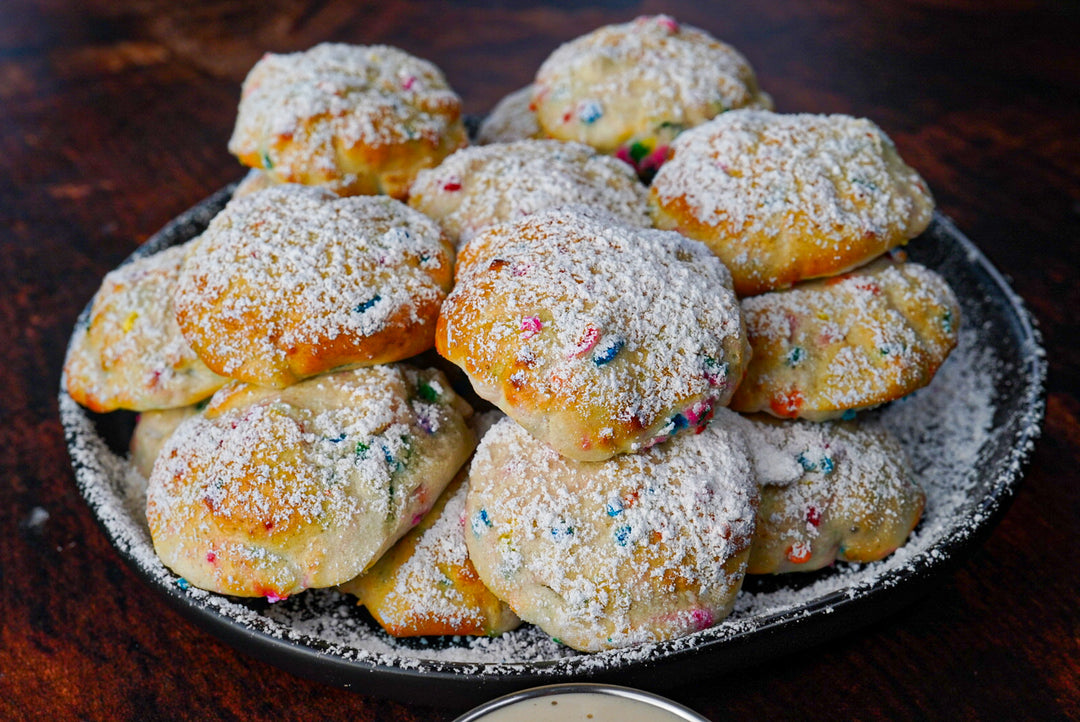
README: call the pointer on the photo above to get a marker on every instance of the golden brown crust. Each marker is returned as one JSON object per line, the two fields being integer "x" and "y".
{"x": 599, "y": 338}
{"x": 640, "y": 83}
{"x": 830, "y": 492}
{"x": 426, "y": 584}
{"x": 355, "y": 119}
{"x": 782, "y": 198}
{"x": 846, "y": 343}
{"x": 292, "y": 281}
{"x": 131, "y": 353}
{"x": 477, "y": 187}
{"x": 638, "y": 548}
{"x": 270, "y": 492}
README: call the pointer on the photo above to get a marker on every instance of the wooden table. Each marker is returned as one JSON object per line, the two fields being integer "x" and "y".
{"x": 114, "y": 117}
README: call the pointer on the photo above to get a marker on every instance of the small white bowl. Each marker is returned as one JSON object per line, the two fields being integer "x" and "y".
{"x": 585, "y": 702}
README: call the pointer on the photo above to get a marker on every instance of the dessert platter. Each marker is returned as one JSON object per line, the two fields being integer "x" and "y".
{"x": 646, "y": 481}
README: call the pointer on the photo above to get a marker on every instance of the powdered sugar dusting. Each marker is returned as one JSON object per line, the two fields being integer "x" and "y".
{"x": 571, "y": 321}
{"x": 638, "y": 78}
{"x": 781, "y": 197}
{"x": 299, "y": 111}
{"x": 511, "y": 119}
{"x": 824, "y": 177}
{"x": 476, "y": 187}
{"x": 636, "y": 548}
{"x": 130, "y": 353}
{"x": 847, "y": 342}
{"x": 966, "y": 441}
{"x": 295, "y": 267}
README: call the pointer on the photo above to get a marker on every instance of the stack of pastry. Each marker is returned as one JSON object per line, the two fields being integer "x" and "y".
{"x": 677, "y": 366}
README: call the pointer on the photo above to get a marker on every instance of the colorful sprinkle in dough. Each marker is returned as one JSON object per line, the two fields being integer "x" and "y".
{"x": 860, "y": 347}
{"x": 607, "y": 351}
{"x": 665, "y": 566}
{"x": 130, "y": 353}
{"x": 354, "y": 119}
{"x": 590, "y": 112}
{"x": 253, "y": 497}
{"x": 587, "y": 391}
{"x": 425, "y": 584}
{"x": 628, "y": 89}
{"x": 292, "y": 281}
{"x": 832, "y": 491}
{"x": 772, "y": 195}
{"x": 503, "y": 182}
{"x": 530, "y": 326}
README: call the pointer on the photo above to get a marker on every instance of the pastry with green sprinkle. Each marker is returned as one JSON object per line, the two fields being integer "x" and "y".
{"x": 268, "y": 492}
{"x": 828, "y": 348}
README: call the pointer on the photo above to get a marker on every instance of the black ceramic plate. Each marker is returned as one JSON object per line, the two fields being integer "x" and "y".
{"x": 969, "y": 434}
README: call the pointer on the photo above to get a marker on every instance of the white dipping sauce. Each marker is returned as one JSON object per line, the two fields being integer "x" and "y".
{"x": 581, "y": 706}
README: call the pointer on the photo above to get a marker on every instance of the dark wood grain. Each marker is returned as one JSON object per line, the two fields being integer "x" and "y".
{"x": 114, "y": 116}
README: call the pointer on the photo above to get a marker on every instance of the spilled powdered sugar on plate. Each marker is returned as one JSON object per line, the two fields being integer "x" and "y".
{"x": 968, "y": 435}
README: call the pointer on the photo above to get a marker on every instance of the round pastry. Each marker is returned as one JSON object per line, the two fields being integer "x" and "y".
{"x": 781, "y": 198}
{"x": 478, "y": 186}
{"x": 270, "y": 492}
{"x": 426, "y": 584}
{"x": 152, "y": 430}
{"x": 828, "y": 347}
{"x": 511, "y": 119}
{"x": 357, "y": 119}
{"x": 831, "y": 491}
{"x": 629, "y": 89}
{"x": 598, "y": 337}
{"x": 130, "y": 353}
{"x": 293, "y": 281}
{"x": 639, "y": 548}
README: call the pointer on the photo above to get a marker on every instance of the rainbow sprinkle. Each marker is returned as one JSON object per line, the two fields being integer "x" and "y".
{"x": 366, "y": 305}
{"x": 530, "y": 326}
{"x": 590, "y": 112}
{"x": 480, "y": 522}
{"x": 608, "y": 351}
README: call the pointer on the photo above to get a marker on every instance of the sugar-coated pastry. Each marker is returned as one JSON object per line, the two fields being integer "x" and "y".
{"x": 152, "y": 430}
{"x": 425, "y": 584}
{"x": 629, "y": 89}
{"x": 828, "y": 347}
{"x": 254, "y": 180}
{"x": 598, "y": 337}
{"x": 511, "y": 119}
{"x": 269, "y": 492}
{"x": 830, "y": 491}
{"x": 640, "y": 548}
{"x": 293, "y": 281}
{"x": 357, "y": 119}
{"x": 782, "y": 198}
{"x": 130, "y": 354}
{"x": 478, "y": 186}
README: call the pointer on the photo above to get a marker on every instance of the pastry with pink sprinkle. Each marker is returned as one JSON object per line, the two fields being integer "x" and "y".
{"x": 478, "y": 186}
{"x": 629, "y": 89}
{"x": 828, "y": 348}
{"x": 639, "y": 548}
{"x": 598, "y": 337}
{"x": 833, "y": 491}
{"x": 357, "y": 119}
{"x": 787, "y": 197}
{"x": 269, "y": 492}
